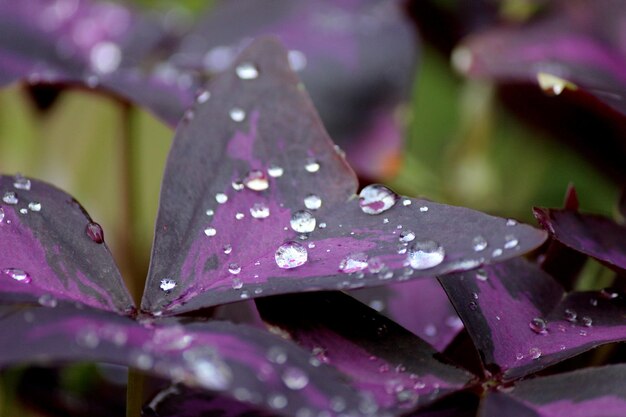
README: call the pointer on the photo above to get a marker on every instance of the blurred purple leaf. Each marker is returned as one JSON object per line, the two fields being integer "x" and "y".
{"x": 594, "y": 235}
{"x": 238, "y": 362}
{"x": 521, "y": 320}
{"x": 399, "y": 370}
{"x": 264, "y": 174}
{"x": 47, "y": 254}
{"x": 592, "y": 392}
{"x": 420, "y": 306}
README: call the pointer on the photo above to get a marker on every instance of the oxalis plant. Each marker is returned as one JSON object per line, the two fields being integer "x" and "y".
{"x": 258, "y": 203}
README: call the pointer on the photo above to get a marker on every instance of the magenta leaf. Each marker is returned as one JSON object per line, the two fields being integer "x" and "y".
{"x": 256, "y": 200}
{"x": 399, "y": 370}
{"x": 593, "y": 392}
{"x": 48, "y": 252}
{"x": 594, "y": 235}
{"x": 521, "y": 320}
{"x": 235, "y": 361}
{"x": 420, "y": 306}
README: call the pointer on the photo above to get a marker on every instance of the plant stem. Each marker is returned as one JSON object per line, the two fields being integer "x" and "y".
{"x": 134, "y": 393}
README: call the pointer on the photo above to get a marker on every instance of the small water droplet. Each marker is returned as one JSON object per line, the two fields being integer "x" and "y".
{"x": 88, "y": 338}
{"x": 247, "y": 71}
{"x": 606, "y": 293}
{"x": 23, "y": 211}
{"x": 295, "y": 378}
{"x": 539, "y": 326}
{"x": 105, "y": 57}
{"x": 586, "y": 321}
{"x": 228, "y": 249}
{"x": 496, "y": 253}
{"x": 233, "y": 268}
{"x": 1, "y": 214}
{"x": 407, "y": 236}
{"x": 510, "y": 242}
{"x": 312, "y": 202}
{"x": 277, "y": 355}
{"x": 256, "y": 180}
{"x": 239, "y": 216}
{"x": 209, "y": 212}
{"x": 593, "y": 302}
{"x": 47, "y": 300}
{"x": 297, "y": 60}
{"x": 406, "y": 202}
{"x": 221, "y": 198}
{"x": 425, "y": 254}
{"x": 376, "y": 265}
{"x": 302, "y": 221}
{"x": 535, "y": 353}
{"x": 479, "y": 243}
{"x": 583, "y": 332}
{"x": 481, "y": 275}
{"x": 259, "y": 211}
{"x": 290, "y": 255}
{"x": 311, "y": 165}
{"x": 353, "y": 263}
{"x": 21, "y": 183}
{"x": 203, "y": 96}
{"x": 18, "y": 275}
{"x": 511, "y": 222}
{"x": 95, "y": 232}
{"x": 237, "y": 115}
{"x": 34, "y": 206}
{"x": 424, "y": 209}
{"x": 210, "y": 231}
{"x": 10, "y": 198}
{"x": 275, "y": 171}
{"x": 277, "y": 401}
{"x": 322, "y": 225}
{"x": 376, "y": 199}
{"x": 237, "y": 185}
{"x": 167, "y": 284}
{"x": 237, "y": 284}
{"x": 570, "y": 315}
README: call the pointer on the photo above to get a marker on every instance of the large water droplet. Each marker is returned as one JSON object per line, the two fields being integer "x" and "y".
{"x": 407, "y": 236}
{"x": 221, "y": 198}
{"x": 275, "y": 171}
{"x": 210, "y": 231}
{"x": 256, "y": 180}
{"x": 376, "y": 199}
{"x": 10, "y": 198}
{"x": 290, "y": 255}
{"x": 312, "y": 202}
{"x": 302, "y": 221}
{"x": 295, "y": 378}
{"x": 21, "y": 183}
{"x": 167, "y": 284}
{"x": 259, "y": 211}
{"x": 94, "y": 232}
{"x": 479, "y": 243}
{"x": 425, "y": 254}
{"x": 311, "y": 165}
{"x": 354, "y": 262}
{"x": 234, "y": 268}
{"x": 247, "y": 71}
{"x": 237, "y": 115}
{"x": 538, "y": 325}
{"x": 18, "y": 275}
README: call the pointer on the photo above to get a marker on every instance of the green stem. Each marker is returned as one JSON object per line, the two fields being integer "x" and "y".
{"x": 134, "y": 393}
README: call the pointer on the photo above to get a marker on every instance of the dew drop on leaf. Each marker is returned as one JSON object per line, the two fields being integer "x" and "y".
{"x": 311, "y": 165}
{"x": 203, "y": 96}
{"x": 534, "y": 353}
{"x": 18, "y": 274}
{"x": 167, "y": 284}
{"x": 256, "y": 180}
{"x": 259, "y": 211}
{"x": 274, "y": 171}
{"x": 1, "y": 214}
{"x": 95, "y": 232}
{"x": 302, "y": 221}
{"x": 510, "y": 242}
{"x": 570, "y": 315}
{"x": 425, "y": 254}
{"x": 312, "y": 202}
{"x": 481, "y": 275}
{"x": 21, "y": 183}
{"x": 10, "y": 198}
{"x": 290, "y": 255}
{"x": 210, "y": 231}
{"x": 234, "y": 268}
{"x": 221, "y": 198}
{"x": 247, "y": 71}
{"x": 479, "y": 243}
{"x": 354, "y": 262}
{"x": 407, "y": 236}
{"x": 538, "y": 325}
{"x": 376, "y": 199}
{"x": 586, "y": 321}
{"x": 295, "y": 378}
{"x": 47, "y": 300}
{"x": 237, "y": 115}
{"x": 34, "y": 206}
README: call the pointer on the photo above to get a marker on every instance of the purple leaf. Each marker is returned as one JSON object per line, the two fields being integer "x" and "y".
{"x": 235, "y": 361}
{"x": 399, "y": 370}
{"x": 594, "y": 235}
{"x": 593, "y": 392}
{"x": 521, "y": 320}
{"x": 353, "y": 40}
{"x": 420, "y": 306}
{"x": 47, "y": 253}
{"x": 263, "y": 174}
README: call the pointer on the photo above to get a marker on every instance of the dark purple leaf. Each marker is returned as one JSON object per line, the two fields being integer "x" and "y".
{"x": 353, "y": 40}
{"x": 235, "y": 361}
{"x": 521, "y": 320}
{"x": 223, "y": 163}
{"x": 593, "y": 392}
{"x": 398, "y": 369}
{"x": 593, "y": 235}
{"x": 420, "y": 306}
{"x": 46, "y": 253}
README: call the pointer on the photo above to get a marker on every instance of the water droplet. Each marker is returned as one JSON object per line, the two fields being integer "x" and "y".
{"x": 570, "y": 315}
{"x": 276, "y": 355}
{"x": 237, "y": 115}
{"x": 24, "y": 211}
{"x": 105, "y": 57}
{"x": 18, "y": 275}
{"x": 302, "y": 221}
{"x": 1, "y": 214}
{"x": 95, "y": 232}
{"x": 424, "y": 209}
{"x": 312, "y": 202}
{"x": 583, "y": 332}
{"x": 203, "y": 96}
{"x": 290, "y": 255}
{"x": 353, "y": 263}
{"x": 237, "y": 284}
{"x": 425, "y": 254}
{"x": 34, "y": 206}
{"x": 221, "y": 198}
{"x": 407, "y": 236}
{"x": 10, "y": 198}
{"x": 593, "y": 302}
{"x": 237, "y": 185}
{"x": 275, "y": 171}
{"x": 311, "y": 165}
{"x": 88, "y": 338}
{"x": 247, "y": 71}
{"x": 167, "y": 284}
{"x": 47, "y": 300}
{"x": 606, "y": 293}
{"x": 510, "y": 242}
{"x": 233, "y": 268}
{"x": 479, "y": 243}
{"x": 295, "y": 378}
{"x": 553, "y": 85}
{"x": 322, "y": 225}
{"x": 538, "y": 325}
{"x": 210, "y": 231}
{"x": 21, "y": 183}
{"x": 511, "y": 222}
{"x": 259, "y": 211}
{"x": 406, "y": 202}
{"x": 376, "y": 265}
{"x": 228, "y": 249}
{"x": 256, "y": 180}
{"x": 277, "y": 401}
{"x": 376, "y": 199}
{"x": 586, "y": 321}
{"x": 297, "y": 60}
{"x": 481, "y": 275}
{"x": 535, "y": 353}
{"x": 496, "y": 252}
{"x": 209, "y": 212}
